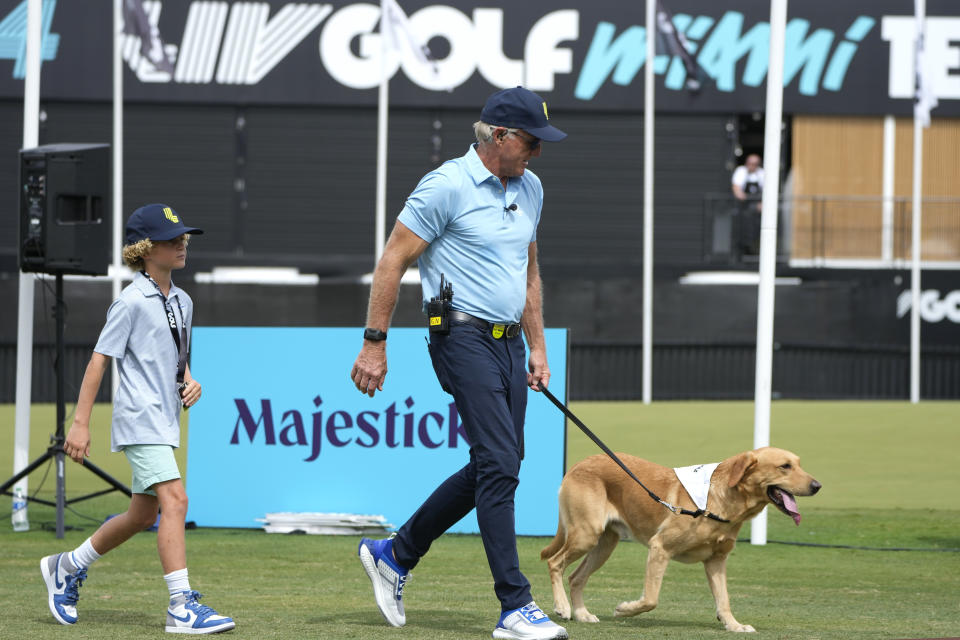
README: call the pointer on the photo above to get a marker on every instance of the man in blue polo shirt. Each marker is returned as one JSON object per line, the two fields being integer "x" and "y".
{"x": 473, "y": 220}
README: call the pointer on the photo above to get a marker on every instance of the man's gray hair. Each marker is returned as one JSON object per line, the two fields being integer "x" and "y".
{"x": 483, "y": 131}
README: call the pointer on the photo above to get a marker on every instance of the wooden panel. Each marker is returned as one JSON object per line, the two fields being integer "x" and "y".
{"x": 843, "y": 156}
{"x": 941, "y": 158}
{"x": 941, "y": 179}
{"x": 837, "y": 156}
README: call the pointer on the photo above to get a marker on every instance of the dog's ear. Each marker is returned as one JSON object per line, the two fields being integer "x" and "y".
{"x": 741, "y": 465}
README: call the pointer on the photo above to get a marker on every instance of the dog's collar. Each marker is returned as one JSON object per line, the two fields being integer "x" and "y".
{"x": 680, "y": 511}
{"x": 696, "y": 482}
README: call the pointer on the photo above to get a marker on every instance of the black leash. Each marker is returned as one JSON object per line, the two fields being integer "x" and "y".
{"x": 613, "y": 456}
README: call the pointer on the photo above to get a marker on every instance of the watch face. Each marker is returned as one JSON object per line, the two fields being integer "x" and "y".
{"x": 374, "y": 334}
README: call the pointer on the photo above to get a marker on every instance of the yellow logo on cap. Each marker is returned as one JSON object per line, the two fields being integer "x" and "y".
{"x": 170, "y": 215}
{"x": 545, "y": 111}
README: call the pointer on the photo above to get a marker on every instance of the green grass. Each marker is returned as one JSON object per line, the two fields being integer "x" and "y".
{"x": 890, "y": 480}
{"x": 866, "y": 454}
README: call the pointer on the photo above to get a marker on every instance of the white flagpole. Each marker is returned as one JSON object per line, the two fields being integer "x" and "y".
{"x": 921, "y": 16}
{"x": 647, "y": 349}
{"x": 889, "y": 165}
{"x": 915, "y": 264}
{"x": 768, "y": 245}
{"x": 31, "y": 138}
{"x": 383, "y": 105}
{"x": 117, "y": 266}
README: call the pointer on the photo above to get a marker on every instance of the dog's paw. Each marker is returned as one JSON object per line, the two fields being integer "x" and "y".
{"x": 741, "y": 628}
{"x": 625, "y": 609}
{"x": 582, "y": 615}
{"x": 562, "y": 611}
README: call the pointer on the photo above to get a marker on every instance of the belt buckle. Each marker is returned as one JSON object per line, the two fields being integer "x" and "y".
{"x": 497, "y": 331}
{"x": 513, "y": 330}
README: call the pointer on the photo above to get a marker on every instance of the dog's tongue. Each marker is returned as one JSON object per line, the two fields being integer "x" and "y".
{"x": 791, "y": 506}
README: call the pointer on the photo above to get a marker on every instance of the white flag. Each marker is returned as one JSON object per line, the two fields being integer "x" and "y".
{"x": 395, "y": 28}
{"x": 152, "y": 48}
{"x": 674, "y": 43}
{"x": 925, "y": 97}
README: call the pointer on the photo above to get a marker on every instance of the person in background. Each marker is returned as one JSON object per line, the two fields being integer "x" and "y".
{"x": 747, "y": 187}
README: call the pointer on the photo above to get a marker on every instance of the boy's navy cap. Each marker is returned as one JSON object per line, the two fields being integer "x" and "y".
{"x": 520, "y": 108}
{"x": 157, "y": 222}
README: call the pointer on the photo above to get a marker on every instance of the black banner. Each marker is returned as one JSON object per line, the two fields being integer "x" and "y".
{"x": 841, "y": 57}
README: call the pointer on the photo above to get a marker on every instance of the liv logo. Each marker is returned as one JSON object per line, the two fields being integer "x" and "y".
{"x": 246, "y": 40}
{"x": 13, "y": 37}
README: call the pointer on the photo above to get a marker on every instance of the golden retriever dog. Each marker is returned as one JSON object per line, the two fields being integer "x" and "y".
{"x": 599, "y": 502}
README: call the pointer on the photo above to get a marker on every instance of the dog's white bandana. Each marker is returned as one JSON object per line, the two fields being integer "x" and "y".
{"x": 696, "y": 480}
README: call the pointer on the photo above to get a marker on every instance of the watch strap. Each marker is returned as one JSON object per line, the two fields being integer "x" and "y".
{"x": 374, "y": 335}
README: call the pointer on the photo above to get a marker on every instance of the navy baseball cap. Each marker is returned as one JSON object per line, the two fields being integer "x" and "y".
{"x": 157, "y": 222}
{"x": 520, "y": 108}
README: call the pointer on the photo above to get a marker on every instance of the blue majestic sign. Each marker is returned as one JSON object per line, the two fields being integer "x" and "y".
{"x": 282, "y": 428}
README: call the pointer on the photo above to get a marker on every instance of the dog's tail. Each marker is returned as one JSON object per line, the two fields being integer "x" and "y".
{"x": 555, "y": 544}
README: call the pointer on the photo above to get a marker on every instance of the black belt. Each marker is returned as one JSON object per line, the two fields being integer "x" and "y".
{"x": 496, "y": 329}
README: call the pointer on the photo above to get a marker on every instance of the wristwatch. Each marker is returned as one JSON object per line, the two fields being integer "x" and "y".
{"x": 374, "y": 335}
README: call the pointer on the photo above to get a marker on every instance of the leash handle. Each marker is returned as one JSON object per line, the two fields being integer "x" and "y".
{"x": 613, "y": 456}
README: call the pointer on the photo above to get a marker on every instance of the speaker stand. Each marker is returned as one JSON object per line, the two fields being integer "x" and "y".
{"x": 55, "y": 450}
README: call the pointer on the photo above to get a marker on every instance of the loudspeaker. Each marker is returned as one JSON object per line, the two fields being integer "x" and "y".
{"x": 66, "y": 224}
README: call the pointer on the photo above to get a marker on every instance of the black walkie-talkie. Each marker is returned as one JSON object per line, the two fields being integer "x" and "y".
{"x": 438, "y": 309}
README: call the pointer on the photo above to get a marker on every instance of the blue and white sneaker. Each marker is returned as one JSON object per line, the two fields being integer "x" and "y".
{"x": 387, "y": 576}
{"x": 62, "y": 588}
{"x": 187, "y": 615}
{"x": 528, "y": 623}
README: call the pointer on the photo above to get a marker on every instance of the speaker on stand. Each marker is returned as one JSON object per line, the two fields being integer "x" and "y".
{"x": 65, "y": 227}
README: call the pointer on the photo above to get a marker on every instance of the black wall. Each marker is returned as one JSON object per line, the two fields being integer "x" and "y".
{"x": 296, "y": 186}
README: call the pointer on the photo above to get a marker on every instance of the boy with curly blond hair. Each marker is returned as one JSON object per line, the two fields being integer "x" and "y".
{"x": 148, "y": 332}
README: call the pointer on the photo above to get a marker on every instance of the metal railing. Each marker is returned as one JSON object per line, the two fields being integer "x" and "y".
{"x": 607, "y": 370}
{"x": 725, "y": 371}
{"x": 827, "y": 230}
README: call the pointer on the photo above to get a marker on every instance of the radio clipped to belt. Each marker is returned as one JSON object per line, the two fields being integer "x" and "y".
{"x": 438, "y": 309}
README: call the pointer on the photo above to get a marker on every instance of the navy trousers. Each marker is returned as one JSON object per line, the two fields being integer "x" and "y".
{"x": 488, "y": 380}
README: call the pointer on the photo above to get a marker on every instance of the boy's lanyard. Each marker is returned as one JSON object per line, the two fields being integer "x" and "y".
{"x": 179, "y": 339}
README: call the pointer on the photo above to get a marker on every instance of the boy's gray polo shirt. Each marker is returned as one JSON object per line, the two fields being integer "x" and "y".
{"x": 146, "y": 409}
